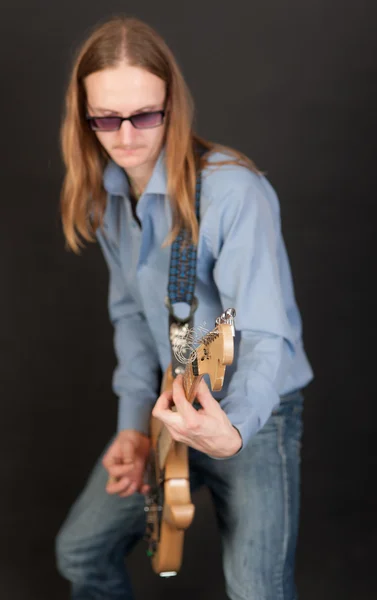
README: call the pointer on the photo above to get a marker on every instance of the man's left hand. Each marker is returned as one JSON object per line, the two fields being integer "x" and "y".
{"x": 207, "y": 429}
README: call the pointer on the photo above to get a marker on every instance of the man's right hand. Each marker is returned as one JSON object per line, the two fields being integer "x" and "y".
{"x": 125, "y": 461}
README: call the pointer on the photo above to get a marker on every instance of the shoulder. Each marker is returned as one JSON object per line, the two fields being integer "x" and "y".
{"x": 222, "y": 183}
{"x": 220, "y": 177}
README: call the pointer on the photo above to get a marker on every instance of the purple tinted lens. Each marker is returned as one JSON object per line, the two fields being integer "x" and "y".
{"x": 105, "y": 123}
{"x": 148, "y": 119}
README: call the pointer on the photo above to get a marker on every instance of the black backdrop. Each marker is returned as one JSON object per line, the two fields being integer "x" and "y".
{"x": 292, "y": 84}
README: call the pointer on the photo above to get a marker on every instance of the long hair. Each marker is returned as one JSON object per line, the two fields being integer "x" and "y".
{"x": 83, "y": 197}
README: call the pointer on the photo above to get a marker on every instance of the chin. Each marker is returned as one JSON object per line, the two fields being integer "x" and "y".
{"x": 128, "y": 162}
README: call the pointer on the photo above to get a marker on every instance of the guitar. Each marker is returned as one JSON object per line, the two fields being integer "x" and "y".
{"x": 168, "y": 505}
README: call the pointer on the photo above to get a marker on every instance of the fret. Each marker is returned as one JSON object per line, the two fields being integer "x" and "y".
{"x": 190, "y": 383}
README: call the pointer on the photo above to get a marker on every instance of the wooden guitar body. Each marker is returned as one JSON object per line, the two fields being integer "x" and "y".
{"x": 168, "y": 505}
{"x": 178, "y": 510}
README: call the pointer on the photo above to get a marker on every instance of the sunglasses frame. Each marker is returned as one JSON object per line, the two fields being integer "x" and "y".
{"x": 90, "y": 119}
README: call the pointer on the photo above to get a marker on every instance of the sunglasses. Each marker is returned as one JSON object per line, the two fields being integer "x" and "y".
{"x": 146, "y": 120}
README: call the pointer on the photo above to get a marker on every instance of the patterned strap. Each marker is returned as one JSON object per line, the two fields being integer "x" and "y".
{"x": 182, "y": 272}
{"x": 181, "y": 285}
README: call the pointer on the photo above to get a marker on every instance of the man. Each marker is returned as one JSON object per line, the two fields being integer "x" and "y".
{"x": 129, "y": 151}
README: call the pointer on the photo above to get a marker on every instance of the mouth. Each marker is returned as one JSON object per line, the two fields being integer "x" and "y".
{"x": 126, "y": 150}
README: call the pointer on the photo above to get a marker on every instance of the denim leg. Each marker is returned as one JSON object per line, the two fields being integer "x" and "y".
{"x": 256, "y": 497}
{"x": 93, "y": 541}
{"x": 99, "y": 531}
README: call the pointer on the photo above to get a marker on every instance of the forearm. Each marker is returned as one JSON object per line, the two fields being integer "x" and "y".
{"x": 137, "y": 375}
{"x": 253, "y": 392}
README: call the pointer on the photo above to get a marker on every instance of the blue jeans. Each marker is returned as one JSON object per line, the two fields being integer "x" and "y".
{"x": 256, "y": 499}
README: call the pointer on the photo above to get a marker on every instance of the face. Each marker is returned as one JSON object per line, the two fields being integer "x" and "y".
{"x": 125, "y": 91}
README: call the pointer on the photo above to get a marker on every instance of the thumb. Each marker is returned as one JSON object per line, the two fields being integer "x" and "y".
{"x": 205, "y": 397}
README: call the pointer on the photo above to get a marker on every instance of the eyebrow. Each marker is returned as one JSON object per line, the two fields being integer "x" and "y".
{"x": 115, "y": 113}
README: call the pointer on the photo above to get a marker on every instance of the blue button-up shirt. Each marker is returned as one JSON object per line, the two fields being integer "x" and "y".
{"x": 241, "y": 263}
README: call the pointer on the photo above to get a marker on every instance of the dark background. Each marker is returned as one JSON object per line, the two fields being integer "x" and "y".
{"x": 293, "y": 85}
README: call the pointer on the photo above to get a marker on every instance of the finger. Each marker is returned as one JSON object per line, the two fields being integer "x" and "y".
{"x": 129, "y": 491}
{"x": 119, "y": 486}
{"x": 203, "y": 386}
{"x": 145, "y": 488}
{"x": 184, "y": 407}
{"x": 164, "y": 401}
{"x": 162, "y": 408}
{"x": 168, "y": 417}
{"x": 118, "y": 471}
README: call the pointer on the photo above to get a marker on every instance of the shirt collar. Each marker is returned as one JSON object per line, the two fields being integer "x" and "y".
{"x": 116, "y": 183}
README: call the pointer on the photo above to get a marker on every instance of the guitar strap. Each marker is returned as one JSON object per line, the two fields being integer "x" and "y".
{"x": 181, "y": 284}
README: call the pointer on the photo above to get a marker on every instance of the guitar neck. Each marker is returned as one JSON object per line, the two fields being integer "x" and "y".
{"x": 190, "y": 386}
{"x": 190, "y": 383}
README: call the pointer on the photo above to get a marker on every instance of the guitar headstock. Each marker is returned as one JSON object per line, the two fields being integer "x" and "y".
{"x": 216, "y": 350}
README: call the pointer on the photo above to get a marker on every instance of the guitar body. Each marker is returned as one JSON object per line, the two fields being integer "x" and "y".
{"x": 168, "y": 504}
{"x": 178, "y": 510}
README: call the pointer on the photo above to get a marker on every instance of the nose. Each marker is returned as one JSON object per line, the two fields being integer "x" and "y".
{"x": 126, "y": 133}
